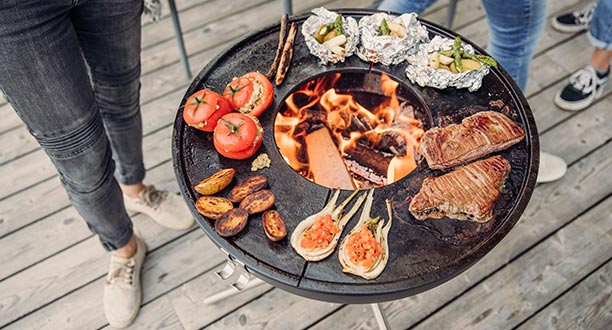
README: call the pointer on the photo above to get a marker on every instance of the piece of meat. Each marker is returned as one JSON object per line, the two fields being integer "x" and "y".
{"x": 467, "y": 193}
{"x": 477, "y": 136}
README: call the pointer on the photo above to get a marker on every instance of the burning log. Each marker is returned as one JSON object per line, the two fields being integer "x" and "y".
{"x": 326, "y": 164}
{"x": 359, "y": 124}
{"x": 313, "y": 116}
{"x": 368, "y": 163}
{"x": 389, "y": 141}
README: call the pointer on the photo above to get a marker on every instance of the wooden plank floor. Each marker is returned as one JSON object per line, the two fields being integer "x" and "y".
{"x": 553, "y": 270}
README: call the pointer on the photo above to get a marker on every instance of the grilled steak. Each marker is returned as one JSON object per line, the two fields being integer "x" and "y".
{"x": 477, "y": 136}
{"x": 467, "y": 193}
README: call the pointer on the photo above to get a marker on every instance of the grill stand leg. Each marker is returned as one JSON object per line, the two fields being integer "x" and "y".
{"x": 244, "y": 280}
{"x": 234, "y": 268}
{"x": 380, "y": 317}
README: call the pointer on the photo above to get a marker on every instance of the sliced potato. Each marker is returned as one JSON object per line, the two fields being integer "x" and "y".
{"x": 434, "y": 60}
{"x": 444, "y": 67}
{"x": 335, "y": 41}
{"x": 216, "y": 182}
{"x": 248, "y": 187}
{"x": 213, "y": 207}
{"x": 258, "y": 201}
{"x": 332, "y": 34}
{"x": 453, "y": 68}
{"x": 397, "y": 29}
{"x": 232, "y": 222}
{"x": 273, "y": 225}
{"x": 470, "y": 64}
{"x": 446, "y": 60}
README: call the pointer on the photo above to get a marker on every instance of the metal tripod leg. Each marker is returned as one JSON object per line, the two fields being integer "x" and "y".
{"x": 380, "y": 317}
{"x": 179, "y": 38}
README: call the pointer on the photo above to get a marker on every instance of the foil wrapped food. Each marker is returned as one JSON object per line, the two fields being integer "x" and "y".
{"x": 419, "y": 71}
{"x": 323, "y": 16}
{"x": 387, "y": 49}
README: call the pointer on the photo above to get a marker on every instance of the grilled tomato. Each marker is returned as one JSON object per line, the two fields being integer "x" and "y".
{"x": 250, "y": 94}
{"x": 204, "y": 108}
{"x": 238, "y": 136}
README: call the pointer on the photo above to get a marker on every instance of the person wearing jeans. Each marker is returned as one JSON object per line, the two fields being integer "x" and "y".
{"x": 515, "y": 28}
{"x": 71, "y": 71}
{"x": 587, "y": 84}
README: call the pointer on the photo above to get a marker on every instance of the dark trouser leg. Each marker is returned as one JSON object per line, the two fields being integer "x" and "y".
{"x": 109, "y": 35}
{"x": 45, "y": 78}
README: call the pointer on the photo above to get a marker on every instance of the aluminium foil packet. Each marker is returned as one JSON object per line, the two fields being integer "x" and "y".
{"x": 389, "y": 50}
{"x": 419, "y": 72}
{"x": 323, "y": 16}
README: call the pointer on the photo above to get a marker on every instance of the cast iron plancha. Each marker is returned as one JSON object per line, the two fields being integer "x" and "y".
{"x": 422, "y": 254}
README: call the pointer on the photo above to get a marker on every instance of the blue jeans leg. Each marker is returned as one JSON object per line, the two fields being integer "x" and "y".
{"x": 405, "y": 6}
{"x": 600, "y": 31}
{"x": 45, "y": 77}
{"x": 515, "y": 28}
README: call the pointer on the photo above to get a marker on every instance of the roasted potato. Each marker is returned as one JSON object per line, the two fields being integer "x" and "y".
{"x": 258, "y": 202}
{"x": 232, "y": 222}
{"x": 216, "y": 182}
{"x": 273, "y": 225}
{"x": 248, "y": 187}
{"x": 213, "y": 207}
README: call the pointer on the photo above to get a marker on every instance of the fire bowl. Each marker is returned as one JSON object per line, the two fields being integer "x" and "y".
{"x": 351, "y": 128}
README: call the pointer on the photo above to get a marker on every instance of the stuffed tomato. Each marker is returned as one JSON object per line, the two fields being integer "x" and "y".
{"x": 250, "y": 94}
{"x": 238, "y": 136}
{"x": 204, "y": 108}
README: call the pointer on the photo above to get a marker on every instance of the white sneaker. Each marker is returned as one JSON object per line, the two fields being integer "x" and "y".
{"x": 123, "y": 291}
{"x": 169, "y": 210}
{"x": 551, "y": 168}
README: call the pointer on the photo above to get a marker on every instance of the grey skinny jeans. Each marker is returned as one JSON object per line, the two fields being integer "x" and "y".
{"x": 71, "y": 71}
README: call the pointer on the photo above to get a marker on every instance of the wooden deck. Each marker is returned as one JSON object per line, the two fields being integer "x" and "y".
{"x": 553, "y": 270}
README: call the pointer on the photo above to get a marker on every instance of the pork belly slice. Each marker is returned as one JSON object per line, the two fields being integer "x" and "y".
{"x": 467, "y": 193}
{"x": 477, "y": 136}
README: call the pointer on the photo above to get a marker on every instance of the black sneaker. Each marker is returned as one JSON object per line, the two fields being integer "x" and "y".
{"x": 576, "y": 21}
{"x": 585, "y": 86}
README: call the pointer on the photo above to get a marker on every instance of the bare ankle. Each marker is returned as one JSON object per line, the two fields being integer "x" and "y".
{"x": 128, "y": 250}
{"x": 132, "y": 190}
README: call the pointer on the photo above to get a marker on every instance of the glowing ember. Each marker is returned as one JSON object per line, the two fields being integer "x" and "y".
{"x": 374, "y": 146}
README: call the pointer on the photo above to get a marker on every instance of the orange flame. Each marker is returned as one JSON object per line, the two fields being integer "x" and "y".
{"x": 349, "y": 122}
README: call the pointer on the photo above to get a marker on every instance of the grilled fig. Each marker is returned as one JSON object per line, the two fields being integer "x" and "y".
{"x": 273, "y": 225}
{"x": 248, "y": 187}
{"x": 258, "y": 202}
{"x": 316, "y": 243}
{"x": 216, "y": 182}
{"x": 213, "y": 207}
{"x": 232, "y": 222}
{"x": 365, "y": 250}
